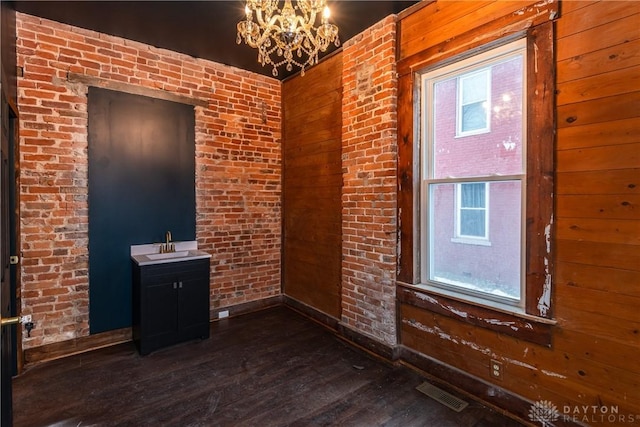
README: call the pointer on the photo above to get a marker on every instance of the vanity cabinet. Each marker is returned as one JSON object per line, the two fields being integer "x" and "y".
{"x": 170, "y": 303}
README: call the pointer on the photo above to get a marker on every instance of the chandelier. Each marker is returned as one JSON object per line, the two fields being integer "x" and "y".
{"x": 287, "y": 35}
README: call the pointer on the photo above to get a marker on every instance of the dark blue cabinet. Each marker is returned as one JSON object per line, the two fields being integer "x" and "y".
{"x": 170, "y": 303}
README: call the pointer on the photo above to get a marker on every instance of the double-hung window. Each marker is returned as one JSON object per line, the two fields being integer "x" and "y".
{"x": 473, "y": 176}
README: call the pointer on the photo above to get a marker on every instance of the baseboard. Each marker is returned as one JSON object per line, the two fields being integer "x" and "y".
{"x": 312, "y": 313}
{"x": 245, "y": 308}
{"x": 73, "y": 346}
{"x": 389, "y": 353}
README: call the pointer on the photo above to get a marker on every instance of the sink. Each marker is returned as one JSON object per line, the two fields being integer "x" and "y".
{"x": 168, "y": 255}
{"x": 149, "y": 254}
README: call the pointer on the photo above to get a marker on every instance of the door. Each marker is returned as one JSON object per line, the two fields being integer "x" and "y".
{"x": 7, "y": 297}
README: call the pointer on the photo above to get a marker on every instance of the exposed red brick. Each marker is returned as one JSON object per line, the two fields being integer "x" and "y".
{"x": 238, "y": 169}
{"x": 369, "y": 184}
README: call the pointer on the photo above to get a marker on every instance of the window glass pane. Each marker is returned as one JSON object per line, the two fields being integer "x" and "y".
{"x": 473, "y": 195}
{"x": 492, "y": 267}
{"x": 496, "y": 152}
{"x": 472, "y": 222}
{"x": 474, "y": 88}
{"x": 474, "y": 117}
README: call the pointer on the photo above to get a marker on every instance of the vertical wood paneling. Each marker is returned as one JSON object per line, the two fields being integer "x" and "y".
{"x": 312, "y": 179}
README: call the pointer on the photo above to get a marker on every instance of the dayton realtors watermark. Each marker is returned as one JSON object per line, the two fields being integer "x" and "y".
{"x": 546, "y": 413}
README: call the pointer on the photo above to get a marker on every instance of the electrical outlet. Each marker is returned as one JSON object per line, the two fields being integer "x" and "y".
{"x": 26, "y": 318}
{"x": 223, "y": 314}
{"x": 496, "y": 369}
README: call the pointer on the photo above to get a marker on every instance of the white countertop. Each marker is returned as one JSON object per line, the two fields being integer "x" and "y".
{"x": 149, "y": 254}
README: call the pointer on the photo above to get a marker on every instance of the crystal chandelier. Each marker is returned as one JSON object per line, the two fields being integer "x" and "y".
{"x": 289, "y": 33}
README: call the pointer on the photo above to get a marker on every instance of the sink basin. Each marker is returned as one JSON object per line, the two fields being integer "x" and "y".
{"x": 148, "y": 254}
{"x": 168, "y": 255}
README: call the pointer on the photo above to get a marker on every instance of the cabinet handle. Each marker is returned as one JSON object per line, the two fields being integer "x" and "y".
{"x": 180, "y": 285}
{"x": 175, "y": 285}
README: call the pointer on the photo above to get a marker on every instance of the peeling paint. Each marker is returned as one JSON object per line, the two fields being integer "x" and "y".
{"x": 453, "y": 310}
{"x": 553, "y": 374}
{"x": 512, "y": 325}
{"x": 544, "y": 303}
{"x": 443, "y": 335}
{"x": 425, "y": 297}
{"x": 519, "y": 363}
{"x": 458, "y": 312}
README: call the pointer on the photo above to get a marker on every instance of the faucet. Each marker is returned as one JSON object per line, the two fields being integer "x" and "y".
{"x": 167, "y": 246}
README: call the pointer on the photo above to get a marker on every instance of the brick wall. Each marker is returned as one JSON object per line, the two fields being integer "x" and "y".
{"x": 369, "y": 123}
{"x": 238, "y": 167}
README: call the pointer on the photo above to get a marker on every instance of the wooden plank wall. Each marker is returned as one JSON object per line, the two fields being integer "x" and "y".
{"x": 312, "y": 186}
{"x": 594, "y": 353}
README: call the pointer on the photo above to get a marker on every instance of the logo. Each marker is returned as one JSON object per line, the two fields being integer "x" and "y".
{"x": 544, "y": 412}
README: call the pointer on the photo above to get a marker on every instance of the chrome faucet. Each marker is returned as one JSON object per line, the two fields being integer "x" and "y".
{"x": 167, "y": 246}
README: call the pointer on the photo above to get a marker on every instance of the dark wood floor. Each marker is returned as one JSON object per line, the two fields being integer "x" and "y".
{"x": 271, "y": 368}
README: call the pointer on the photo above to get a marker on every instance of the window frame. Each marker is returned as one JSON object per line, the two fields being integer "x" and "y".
{"x": 535, "y": 323}
{"x": 430, "y": 175}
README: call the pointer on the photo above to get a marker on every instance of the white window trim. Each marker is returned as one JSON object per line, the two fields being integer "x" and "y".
{"x": 426, "y": 228}
{"x": 487, "y": 111}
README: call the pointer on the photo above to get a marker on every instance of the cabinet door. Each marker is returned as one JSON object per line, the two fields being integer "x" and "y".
{"x": 159, "y": 314}
{"x": 193, "y": 301}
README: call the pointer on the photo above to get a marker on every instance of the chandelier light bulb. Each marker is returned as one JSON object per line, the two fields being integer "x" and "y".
{"x": 280, "y": 31}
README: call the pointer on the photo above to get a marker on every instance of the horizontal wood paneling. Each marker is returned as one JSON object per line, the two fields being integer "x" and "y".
{"x": 437, "y": 22}
{"x": 542, "y": 372}
{"x": 614, "y": 132}
{"x": 601, "y": 110}
{"x": 596, "y": 242}
{"x": 617, "y": 181}
{"x": 598, "y": 230}
{"x": 607, "y": 11}
{"x": 618, "y": 57}
{"x": 619, "y": 81}
{"x": 312, "y": 123}
{"x": 600, "y": 35}
{"x": 622, "y": 282}
{"x": 622, "y": 256}
{"x": 599, "y": 206}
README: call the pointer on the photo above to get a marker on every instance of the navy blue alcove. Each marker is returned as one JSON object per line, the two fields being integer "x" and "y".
{"x": 141, "y": 184}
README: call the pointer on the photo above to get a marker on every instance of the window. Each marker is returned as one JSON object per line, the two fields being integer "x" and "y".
{"x": 428, "y": 178}
{"x": 474, "y": 105}
{"x": 473, "y": 188}
{"x": 473, "y": 215}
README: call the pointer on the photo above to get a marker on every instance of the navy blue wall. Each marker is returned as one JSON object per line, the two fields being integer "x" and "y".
{"x": 141, "y": 184}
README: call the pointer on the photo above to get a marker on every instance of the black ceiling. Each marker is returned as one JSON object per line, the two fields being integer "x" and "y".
{"x": 203, "y": 29}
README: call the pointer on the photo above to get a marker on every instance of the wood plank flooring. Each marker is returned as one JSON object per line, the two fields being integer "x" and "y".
{"x": 270, "y": 368}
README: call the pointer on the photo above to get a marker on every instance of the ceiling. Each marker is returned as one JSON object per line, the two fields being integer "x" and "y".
{"x": 203, "y": 29}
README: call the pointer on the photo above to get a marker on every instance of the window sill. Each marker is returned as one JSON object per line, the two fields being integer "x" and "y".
{"x": 470, "y": 241}
{"x": 512, "y": 321}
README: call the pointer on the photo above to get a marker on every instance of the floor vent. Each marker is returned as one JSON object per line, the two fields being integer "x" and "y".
{"x": 442, "y": 396}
